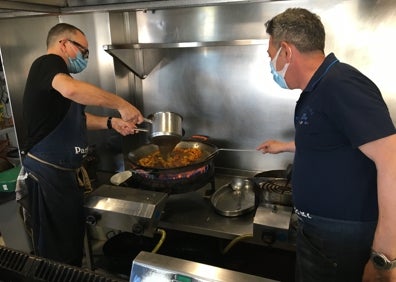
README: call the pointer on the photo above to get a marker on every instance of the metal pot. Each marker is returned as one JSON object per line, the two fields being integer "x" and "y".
{"x": 165, "y": 130}
{"x": 166, "y": 124}
{"x": 170, "y": 180}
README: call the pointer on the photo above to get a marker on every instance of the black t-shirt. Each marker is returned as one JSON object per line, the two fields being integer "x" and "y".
{"x": 43, "y": 106}
{"x": 340, "y": 110}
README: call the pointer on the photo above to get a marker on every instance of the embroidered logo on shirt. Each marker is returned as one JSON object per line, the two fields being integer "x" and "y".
{"x": 302, "y": 214}
{"x": 303, "y": 119}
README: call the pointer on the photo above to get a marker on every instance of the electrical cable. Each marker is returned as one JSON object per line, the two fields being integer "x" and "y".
{"x": 161, "y": 241}
{"x": 236, "y": 240}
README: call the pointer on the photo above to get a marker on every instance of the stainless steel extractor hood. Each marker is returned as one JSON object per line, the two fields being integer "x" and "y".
{"x": 141, "y": 58}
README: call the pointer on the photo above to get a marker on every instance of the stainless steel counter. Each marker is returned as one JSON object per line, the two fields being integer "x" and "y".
{"x": 154, "y": 267}
{"x": 193, "y": 212}
{"x": 194, "y": 227}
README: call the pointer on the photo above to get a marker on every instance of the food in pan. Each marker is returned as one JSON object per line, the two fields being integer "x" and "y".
{"x": 178, "y": 158}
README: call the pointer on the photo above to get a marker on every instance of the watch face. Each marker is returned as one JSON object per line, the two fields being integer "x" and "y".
{"x": 379, "y": 261}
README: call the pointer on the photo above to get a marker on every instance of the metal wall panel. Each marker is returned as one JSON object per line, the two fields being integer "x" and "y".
{"x": 228, "y": 93}
{"x": 22, "y": 40}
{"x": 19, "y": 49}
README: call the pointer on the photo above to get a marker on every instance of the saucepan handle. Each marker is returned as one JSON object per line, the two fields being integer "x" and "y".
{"x": 145, "y": 129}
{"x": 142, "y": 129}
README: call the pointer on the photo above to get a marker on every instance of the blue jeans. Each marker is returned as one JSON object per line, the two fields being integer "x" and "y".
{"x": 332, "y": 250}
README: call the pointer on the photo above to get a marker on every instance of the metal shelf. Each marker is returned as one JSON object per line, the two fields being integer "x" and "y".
{"x": 141, "y": 58}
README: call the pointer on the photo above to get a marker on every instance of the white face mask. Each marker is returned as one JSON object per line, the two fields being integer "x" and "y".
{"x": 279, "y": 76}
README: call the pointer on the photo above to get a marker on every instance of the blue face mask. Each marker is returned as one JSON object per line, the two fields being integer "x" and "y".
{"x": 279, "y": 76}
{"x": 78, "y": 64}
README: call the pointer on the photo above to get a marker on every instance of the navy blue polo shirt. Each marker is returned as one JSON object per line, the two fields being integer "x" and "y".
{"x": 340, "y": 110}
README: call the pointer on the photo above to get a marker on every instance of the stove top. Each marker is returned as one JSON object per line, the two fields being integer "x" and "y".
{"x": 193, "y": 212}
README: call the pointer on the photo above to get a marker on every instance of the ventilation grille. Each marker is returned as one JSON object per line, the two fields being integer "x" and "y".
{"x": 19, "y": 265}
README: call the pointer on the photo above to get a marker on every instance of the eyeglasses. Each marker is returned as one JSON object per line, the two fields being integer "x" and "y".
{"x": 84, "y": 51}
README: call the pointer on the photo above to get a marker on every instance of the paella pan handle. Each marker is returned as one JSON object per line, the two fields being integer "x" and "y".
{"x": 212, "y": 154}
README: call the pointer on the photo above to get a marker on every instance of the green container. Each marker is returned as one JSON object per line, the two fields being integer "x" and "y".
{"x": 8, "y": 179}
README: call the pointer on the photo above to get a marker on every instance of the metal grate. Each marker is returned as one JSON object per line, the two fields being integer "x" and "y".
{"x": 17, "y": 265}
{"x": 12, "y": 260}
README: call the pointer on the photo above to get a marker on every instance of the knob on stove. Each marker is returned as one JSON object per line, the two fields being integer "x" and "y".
{"x": 91, "y": 219}
{"x": 268, "y": 237}
{"x": 137, "y": 229}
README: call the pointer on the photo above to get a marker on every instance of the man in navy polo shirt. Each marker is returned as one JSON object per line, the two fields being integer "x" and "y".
{"x": 345, "y": 157}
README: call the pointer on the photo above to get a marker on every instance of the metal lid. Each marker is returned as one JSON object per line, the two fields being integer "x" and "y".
{"x": 235, "y": 198}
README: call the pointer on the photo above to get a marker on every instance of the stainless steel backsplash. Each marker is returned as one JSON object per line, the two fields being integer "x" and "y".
{"x": 224, "y": 92}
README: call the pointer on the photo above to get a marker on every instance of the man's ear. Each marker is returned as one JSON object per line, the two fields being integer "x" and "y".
{"x": 286, "y": 47}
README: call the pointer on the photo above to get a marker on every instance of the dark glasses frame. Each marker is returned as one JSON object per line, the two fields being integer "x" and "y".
{"x": 84, "y": 51}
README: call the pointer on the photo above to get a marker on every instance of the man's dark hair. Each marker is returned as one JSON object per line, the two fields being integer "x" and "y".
{"x": 299, "y": 27}
{"x": 61, "y": 29}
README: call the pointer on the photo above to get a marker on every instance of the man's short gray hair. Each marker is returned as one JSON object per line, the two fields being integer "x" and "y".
{"x": 297, "y": 26}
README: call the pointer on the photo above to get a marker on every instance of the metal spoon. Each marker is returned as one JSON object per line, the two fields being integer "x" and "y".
{"x": 236, "y": 184}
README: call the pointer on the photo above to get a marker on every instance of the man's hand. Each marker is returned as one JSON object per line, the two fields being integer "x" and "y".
{"x": 130, "y": 113}
{"x": 123, "y": 127}
{"x": 275, "y": 147}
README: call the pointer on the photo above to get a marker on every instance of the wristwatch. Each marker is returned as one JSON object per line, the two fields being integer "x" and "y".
{"x": 380, "y": 261}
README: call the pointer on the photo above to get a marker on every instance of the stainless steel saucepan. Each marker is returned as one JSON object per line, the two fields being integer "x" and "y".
{"x": 165, "y": 130}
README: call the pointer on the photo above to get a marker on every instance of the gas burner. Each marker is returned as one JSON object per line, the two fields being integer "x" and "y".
{"x": 175, "y": 183}
{"x": 277, "y": 186}
{"x": 276, "y": 191}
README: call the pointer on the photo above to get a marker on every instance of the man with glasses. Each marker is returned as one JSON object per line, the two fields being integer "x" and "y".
{"x": 56, "y": 123}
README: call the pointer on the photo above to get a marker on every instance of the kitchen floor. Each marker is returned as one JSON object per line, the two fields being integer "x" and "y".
{"x": 101, "y": 268}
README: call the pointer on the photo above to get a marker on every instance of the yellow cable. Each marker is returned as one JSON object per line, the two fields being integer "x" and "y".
{"x": 236, "y": 240}
{"x": 161, "y": 241}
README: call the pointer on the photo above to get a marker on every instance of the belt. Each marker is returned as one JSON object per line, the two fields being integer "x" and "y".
{"x": 51, "y": 164}
{"x": 82, "y": 175}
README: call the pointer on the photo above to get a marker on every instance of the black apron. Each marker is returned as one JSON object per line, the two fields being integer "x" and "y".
{"x": 55, "y": 197}
{"x": 66, "y": 145}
